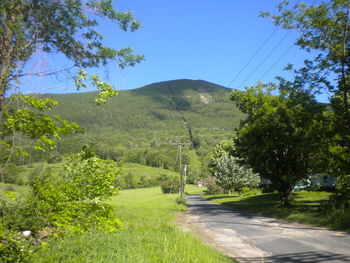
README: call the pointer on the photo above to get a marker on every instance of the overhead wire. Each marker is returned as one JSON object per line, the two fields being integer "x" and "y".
{"x": 251, "y": 59}
{"x": 266, "y": 57}
{"x": 276, "y": 61}
{"x": 282, "y": 55}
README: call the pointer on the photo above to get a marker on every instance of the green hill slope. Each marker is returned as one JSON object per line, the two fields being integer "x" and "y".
{"x": 188, "y": 110}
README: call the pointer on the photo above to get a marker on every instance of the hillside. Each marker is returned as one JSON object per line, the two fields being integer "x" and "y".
{"x": 188, "y": 110}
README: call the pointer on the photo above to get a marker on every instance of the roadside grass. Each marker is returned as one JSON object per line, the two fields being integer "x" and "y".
{"x": 148, "y": 234}
{"x": 306, "y": 207}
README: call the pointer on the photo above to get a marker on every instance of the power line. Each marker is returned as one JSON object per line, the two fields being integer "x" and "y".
{"x": 283, "y": 54}
{"x": 277, "y": 60}
{"x": 265, "y": 58}
{"x": 251, "y": 59}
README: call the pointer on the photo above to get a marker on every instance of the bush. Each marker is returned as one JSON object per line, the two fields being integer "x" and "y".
{"x": 14, "y": 247}
{"x": 170, "y": 186}
{"x": 212, "y": 187}
{"x": 72, "y": 202}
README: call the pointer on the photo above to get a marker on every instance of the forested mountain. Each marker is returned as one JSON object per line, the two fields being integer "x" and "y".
{"x": 143, "y": 122}
{"x": 188, "y": 110}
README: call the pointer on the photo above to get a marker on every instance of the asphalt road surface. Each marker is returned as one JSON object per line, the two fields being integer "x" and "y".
{"x": 253, "y": 238}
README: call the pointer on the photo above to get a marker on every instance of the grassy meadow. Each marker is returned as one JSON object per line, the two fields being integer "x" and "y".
{"x": 137, "y": 173}
{"x": 136, "y": 169}
{"x": 148, "y": 235}
{"x": 306, "y": 207}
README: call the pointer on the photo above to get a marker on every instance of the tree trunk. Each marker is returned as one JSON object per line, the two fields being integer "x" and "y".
{"x": 284, "y": 196}
{"x": 6, "y": 53}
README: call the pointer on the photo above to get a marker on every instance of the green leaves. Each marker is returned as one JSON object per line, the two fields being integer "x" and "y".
{"x": 106, "y": 90}
{"x": 281, "y": 136}
{"x": 231, "y": 175}
{"x": 71, "y": 201}
{"x": 91, "y": 178}
{"x": 66, "y": 27}
{"x": 28, "y": 120}
{"x": 324, "y": 32}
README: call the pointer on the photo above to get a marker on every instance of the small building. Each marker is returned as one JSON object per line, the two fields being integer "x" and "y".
{"x": 200, "y": 184}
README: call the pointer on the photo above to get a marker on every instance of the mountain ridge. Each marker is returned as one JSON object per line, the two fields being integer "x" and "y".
{"x": 176, "y": 110}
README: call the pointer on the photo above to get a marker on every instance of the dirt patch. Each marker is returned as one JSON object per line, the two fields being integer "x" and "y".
{"x": 203, "y": 99}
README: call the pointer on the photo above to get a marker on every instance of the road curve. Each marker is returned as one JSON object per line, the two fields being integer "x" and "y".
{"x": 253, "y": 238}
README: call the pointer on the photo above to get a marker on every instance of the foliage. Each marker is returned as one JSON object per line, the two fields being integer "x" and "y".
{"x": 91, "y": 178}
{"x": 67, "y": 27}
{"x": 141, "y": 123}
{"x": 212, "y": 187}
{"x": 230, "y": 175}
{"x": 170, "y": 185}
{"x": 30, "y": 121}
{"x": 324, "y": 32}
{"x": 74, "y": 200}
{"x": 14, "y": 247}
{"x": 59, "y": 205}
{"x": 225, "y": 147}
{"x": 10, "y": 174}
{"x": 281, "y": 136}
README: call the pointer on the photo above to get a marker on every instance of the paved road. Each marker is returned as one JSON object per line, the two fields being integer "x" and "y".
{"x": 251, "y": 238}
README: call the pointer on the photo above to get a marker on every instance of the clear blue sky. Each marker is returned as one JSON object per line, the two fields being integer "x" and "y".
{"x": 193, "y": 39}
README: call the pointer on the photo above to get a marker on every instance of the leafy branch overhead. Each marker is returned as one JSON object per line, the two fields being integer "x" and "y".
{"x": 29, "y": 119}
{"x": 67, "y": 27}
{"x": 106, "y": 90}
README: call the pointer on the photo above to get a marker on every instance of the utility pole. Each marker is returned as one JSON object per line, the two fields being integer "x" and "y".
{"x": 185, "y": 172}
{"x": 180, "y": 144}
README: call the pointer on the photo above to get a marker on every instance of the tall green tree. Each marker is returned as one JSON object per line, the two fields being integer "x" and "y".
{"x": 281, "y": 135}
{"x": 324, "y": 32}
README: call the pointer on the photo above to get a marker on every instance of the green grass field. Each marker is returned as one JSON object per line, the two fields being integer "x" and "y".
{"x": 136, "y": 169}
{"x": 148, "y": 235}
{"x": 306, "y": 207}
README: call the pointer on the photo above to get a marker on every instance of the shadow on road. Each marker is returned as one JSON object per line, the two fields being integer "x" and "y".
{"x": 304, "y": 257}
{"x": 210, "y": 209}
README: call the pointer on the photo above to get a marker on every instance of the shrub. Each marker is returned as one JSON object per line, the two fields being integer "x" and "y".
{"x": 14, "y": 247}
{"x": 170, "y": 186}
{"x": 72, "y": 202}
{"x": 212, "y": 187}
